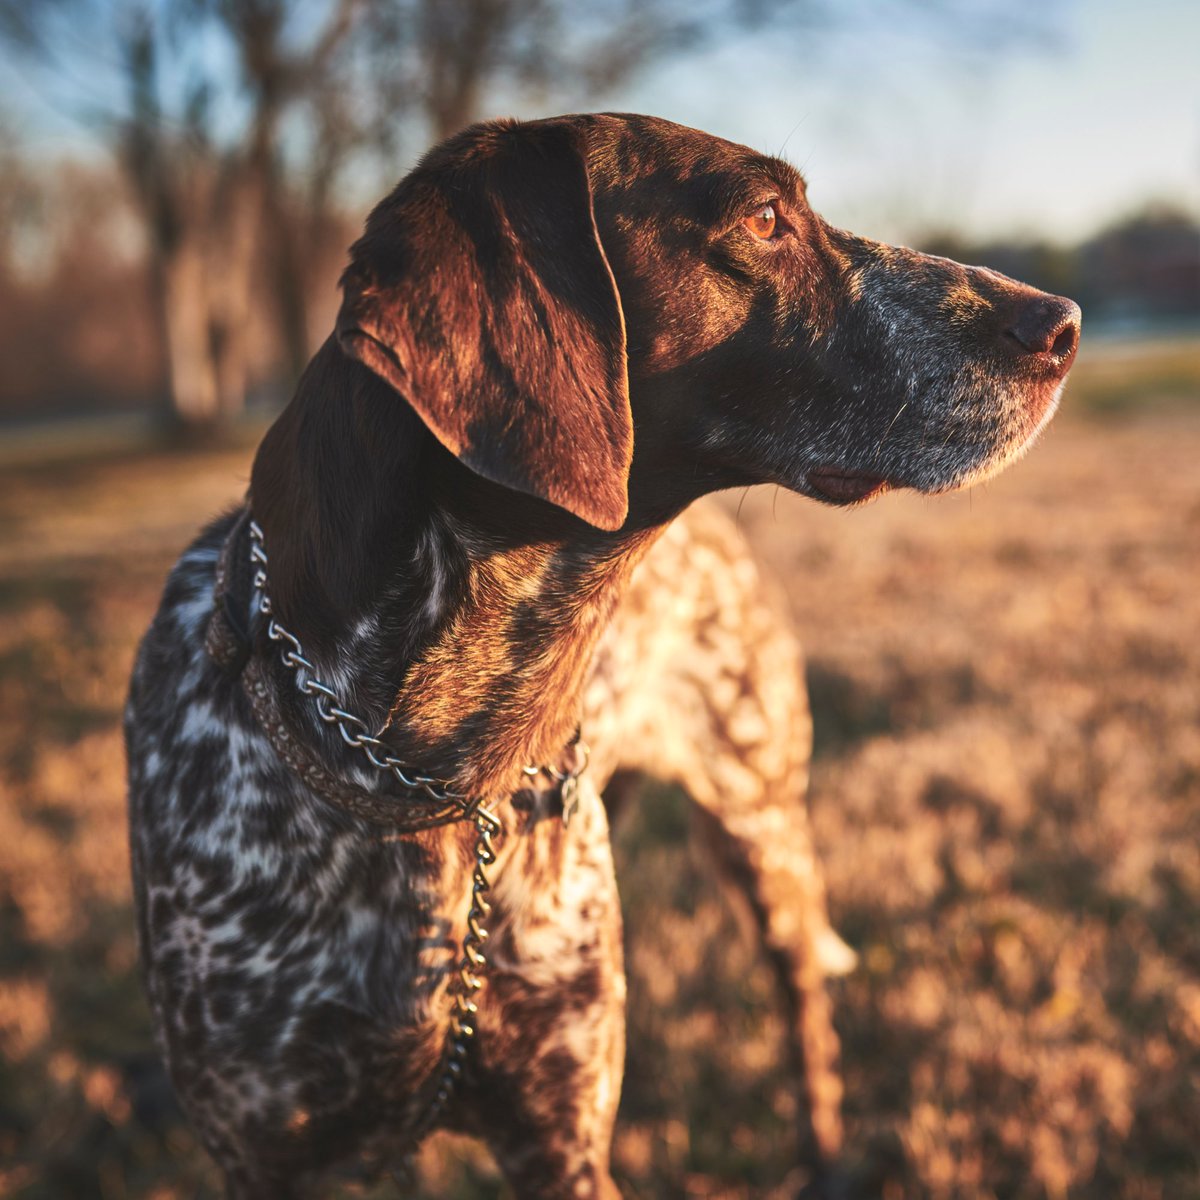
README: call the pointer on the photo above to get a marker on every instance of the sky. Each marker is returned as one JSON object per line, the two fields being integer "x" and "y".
{"x": 1055, "y": 136}
{"x": 903, "y": 129}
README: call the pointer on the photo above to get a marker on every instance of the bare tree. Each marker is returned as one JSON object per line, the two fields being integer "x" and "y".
{"x": 198, "y": 135}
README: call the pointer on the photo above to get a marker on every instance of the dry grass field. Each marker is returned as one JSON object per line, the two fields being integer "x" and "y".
{"x": 1006, "y": 797}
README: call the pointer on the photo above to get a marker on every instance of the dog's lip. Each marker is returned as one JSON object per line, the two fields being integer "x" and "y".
{"x": 845, "y": 486}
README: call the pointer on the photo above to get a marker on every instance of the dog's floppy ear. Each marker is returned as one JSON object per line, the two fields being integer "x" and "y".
{"x": 480, "y": 291}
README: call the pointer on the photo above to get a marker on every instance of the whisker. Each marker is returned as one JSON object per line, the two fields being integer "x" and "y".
{"x": 888, "y": 430}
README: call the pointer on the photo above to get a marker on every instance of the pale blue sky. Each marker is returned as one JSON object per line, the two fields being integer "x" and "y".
{"x": 896, "y": 135}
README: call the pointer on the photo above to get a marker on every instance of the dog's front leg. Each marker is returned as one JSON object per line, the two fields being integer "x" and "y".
{"x": 552, "y": 1018}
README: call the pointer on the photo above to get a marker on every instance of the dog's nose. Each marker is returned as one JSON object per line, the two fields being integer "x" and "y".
{"x": 1047, "y": 326}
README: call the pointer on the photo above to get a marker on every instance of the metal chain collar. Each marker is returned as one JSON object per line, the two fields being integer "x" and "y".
{"x": 456, "y": 806}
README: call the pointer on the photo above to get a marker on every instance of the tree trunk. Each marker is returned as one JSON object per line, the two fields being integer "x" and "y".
{"x": 288, "y": 276}
{"x": 231, "y": 261}
{"x": 191, "y": 373}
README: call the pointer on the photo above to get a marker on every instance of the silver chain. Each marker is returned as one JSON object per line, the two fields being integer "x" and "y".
{"x": 355, "y": 732}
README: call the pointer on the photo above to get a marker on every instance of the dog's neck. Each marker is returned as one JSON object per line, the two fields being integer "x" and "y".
{"x": 459, "y": 616}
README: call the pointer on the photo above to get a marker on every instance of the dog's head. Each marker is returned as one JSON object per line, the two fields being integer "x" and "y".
{"x": 615, "y": 314}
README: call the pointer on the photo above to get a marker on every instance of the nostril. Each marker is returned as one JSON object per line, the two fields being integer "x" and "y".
{"x": 1067, "y": 340}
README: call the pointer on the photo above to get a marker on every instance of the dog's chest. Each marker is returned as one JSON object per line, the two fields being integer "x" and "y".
{"x": 283, "y": 940}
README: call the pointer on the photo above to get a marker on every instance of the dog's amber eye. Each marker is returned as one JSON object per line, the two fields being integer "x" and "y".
{"x": 762, "y": 222}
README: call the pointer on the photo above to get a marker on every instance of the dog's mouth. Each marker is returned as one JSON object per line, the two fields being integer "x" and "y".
{"x": 845, "y": 487}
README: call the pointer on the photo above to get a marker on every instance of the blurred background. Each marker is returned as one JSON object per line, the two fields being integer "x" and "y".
{"x": 1006, "y": 683}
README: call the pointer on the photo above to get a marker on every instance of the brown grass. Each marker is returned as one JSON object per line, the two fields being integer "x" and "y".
{"x": 1006, "y": 797}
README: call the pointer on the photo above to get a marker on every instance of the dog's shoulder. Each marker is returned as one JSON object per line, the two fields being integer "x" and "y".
{"x": 701, "y": 577}
{"x": 212, "y": 810}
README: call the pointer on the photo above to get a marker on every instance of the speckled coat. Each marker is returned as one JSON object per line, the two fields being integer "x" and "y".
{"x": 555, "y": 337}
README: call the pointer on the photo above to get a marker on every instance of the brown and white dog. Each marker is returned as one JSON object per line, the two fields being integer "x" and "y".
{"x": 555, "y": 337}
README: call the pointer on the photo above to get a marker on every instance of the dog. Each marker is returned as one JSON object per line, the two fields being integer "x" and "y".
{"x": 356, "y": 727}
